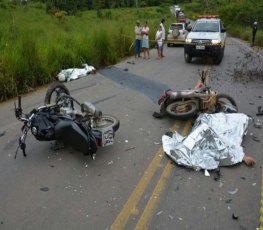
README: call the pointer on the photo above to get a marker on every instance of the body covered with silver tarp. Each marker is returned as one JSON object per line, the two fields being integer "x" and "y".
{"x": 215, "y": 140}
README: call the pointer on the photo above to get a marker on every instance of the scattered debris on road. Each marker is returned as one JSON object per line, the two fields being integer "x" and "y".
{"x": 258, "y": 124}
{"x": 131, "y": 148}
{"x": 44, "y": 189}
{"x": 260, "y": 111}
{"x": 247, "y": 68}
{"x": 233, "y": 192}
{"x": 234, "y": 216}
{"x": 2, "y": 133}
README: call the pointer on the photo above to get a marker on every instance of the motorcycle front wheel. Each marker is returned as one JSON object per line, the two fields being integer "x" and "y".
{"x": 226, "y": 104}
{"x": 54, "y": 91}
{"x": 182, "y": 110}
{"x": 106, "y": 121}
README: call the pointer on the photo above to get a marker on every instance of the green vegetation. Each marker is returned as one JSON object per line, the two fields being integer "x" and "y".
{"x": 35, "y": 45}
{"x": 40, "y": 38}
{"x": 238, "y": 15}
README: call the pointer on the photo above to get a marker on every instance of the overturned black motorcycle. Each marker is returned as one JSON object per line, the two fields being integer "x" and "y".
{"x": 67, "y": 121}
{"x": 185, "y": 104}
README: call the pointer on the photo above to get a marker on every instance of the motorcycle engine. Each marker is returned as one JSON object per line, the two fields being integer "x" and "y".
{"x": 66, "y": 110}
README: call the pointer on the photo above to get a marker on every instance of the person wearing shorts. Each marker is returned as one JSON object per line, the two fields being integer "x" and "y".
{"x": 159, "y": 41}
{"x": 145, "y": 40}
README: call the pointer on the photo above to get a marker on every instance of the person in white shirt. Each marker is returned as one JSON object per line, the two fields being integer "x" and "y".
{"x": 159, "y": 40}
{"x": 138, "y": 32}
{"x": 145, "y": 40}
{"x": 163, "y": 36}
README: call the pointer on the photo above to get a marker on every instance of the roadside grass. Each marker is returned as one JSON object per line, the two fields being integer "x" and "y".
{"x": 35, "y": 46}
{"x": 237, "y": 17}
{"x": 245, "y": 33}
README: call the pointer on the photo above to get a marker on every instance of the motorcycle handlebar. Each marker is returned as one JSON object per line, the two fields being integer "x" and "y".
{"x": 19, "y": 113}
{"x": 19, "y": 102}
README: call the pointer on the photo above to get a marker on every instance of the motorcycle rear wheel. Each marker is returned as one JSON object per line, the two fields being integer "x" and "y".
{"x": 190, "y": 107}
{"x": 225, "y": 103}
{"x": 54, "y": 91}
{"x": 107, "y": 121}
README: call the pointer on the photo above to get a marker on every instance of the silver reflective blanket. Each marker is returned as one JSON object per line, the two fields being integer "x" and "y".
{"x": 215, "y": 140}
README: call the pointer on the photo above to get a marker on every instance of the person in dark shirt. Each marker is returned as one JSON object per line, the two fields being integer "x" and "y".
{"x": 254, "y": 31}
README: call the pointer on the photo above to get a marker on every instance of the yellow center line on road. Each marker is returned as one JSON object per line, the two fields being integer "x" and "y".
{"x": 130, "y": 206}
{"x": 149, "y": 209}
{"x": 207, "y": 70}
{"x": 261, "y": 204}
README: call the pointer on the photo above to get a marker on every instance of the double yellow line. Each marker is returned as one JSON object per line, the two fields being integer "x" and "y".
{"x": 130, "y": 207}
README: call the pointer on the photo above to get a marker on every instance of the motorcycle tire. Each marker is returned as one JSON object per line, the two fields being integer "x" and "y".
{"x": 191, "y": 110}
{"x": 225, "y": 99}
{"x": 108, "y": 121}
{"x": 56, "y": 89}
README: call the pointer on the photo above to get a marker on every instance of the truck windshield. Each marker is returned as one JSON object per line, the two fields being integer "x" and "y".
{"x": 206, "y": 26}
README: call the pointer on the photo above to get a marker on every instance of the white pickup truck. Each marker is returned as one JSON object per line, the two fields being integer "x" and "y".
{"x": 206, "y": 38}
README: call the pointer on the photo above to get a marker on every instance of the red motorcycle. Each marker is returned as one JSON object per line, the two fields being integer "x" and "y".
{"x": 185, "y": 104}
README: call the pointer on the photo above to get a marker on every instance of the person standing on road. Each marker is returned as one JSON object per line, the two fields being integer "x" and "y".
{"x": 138, "y": 32}
{"x": 163, "y": 35}
{"x": 145, "y": 40}
{"x": 254, "y": 31}
{"x": 159, "y": 41}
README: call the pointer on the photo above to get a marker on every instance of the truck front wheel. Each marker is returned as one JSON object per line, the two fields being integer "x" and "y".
{"x": 187, "y": 57}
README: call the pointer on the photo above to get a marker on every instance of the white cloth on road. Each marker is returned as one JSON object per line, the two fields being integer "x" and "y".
{"x": 75, "y": 73}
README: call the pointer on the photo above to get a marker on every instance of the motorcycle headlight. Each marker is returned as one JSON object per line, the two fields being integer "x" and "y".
{"x": 188, "y": 40}
{"x": 34, "y": 131}
{"x": 215, "y": 41}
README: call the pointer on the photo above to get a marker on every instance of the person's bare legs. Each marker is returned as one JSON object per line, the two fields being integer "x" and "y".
{"x": 162, "y": 49}
{"x": 148, "y": 53}
{"x": 159, "y": 53}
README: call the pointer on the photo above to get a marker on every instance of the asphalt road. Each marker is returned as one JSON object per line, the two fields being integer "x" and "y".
{"x": 132, "y": 184}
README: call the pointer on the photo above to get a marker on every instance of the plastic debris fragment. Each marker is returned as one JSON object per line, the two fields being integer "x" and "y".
{"x": 233, "y": 192}
{"x": 159, "y": 213}
{"x": 207, "y": 173}
{"x": 234, "y": 216}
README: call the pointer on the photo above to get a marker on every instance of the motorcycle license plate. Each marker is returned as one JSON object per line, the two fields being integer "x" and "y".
{"x": 200, "y": 47}
{"x": 107, "y": 136}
